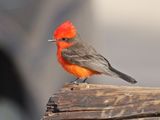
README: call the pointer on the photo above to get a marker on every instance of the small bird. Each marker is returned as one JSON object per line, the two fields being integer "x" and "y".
{"x": 81, "y": 59}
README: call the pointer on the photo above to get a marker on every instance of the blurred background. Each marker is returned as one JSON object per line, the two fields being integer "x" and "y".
{"x": 126, "y": 32}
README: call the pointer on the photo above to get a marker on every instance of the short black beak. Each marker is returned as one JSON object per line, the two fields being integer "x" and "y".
{"x": 52, "y": 40}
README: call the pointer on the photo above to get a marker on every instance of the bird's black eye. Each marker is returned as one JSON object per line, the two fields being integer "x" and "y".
{"x": 64, "y": 39}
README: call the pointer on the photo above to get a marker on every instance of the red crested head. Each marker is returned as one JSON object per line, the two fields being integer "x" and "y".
{"x": 65, "y": 30}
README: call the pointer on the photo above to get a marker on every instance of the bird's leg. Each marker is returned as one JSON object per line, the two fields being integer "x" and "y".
{"x": 74, "y": 81}
{"x": 84, "y": 81}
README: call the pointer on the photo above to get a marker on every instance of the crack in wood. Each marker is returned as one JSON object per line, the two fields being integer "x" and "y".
{"x": 104, "y": 102}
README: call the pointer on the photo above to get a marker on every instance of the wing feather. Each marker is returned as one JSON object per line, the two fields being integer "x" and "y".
{"x": 86, "y": 56}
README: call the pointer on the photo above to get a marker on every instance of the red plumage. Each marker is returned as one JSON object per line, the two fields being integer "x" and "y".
{"x": 65, "y": 30}
{"x": 81, "y": 59}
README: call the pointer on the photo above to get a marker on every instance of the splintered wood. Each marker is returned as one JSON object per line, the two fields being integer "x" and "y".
{"x": 89, "y": 101}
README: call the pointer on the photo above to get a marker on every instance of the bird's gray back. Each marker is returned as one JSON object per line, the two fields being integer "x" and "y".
{"x": 86, "y": 56}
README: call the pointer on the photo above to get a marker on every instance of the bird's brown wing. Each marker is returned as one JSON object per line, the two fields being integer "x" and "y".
{"x": 86, "y": 56}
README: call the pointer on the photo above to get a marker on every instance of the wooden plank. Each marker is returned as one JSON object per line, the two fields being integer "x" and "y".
{"x": 89, "y": 101}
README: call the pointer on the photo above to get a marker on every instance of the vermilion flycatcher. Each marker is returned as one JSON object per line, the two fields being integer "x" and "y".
{"x": 79, "y": 58}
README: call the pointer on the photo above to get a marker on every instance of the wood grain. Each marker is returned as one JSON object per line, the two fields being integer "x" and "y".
{"x": 92, "y": 101}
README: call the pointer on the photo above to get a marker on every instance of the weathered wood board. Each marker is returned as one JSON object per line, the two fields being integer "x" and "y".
{"x": 91, "y": 101}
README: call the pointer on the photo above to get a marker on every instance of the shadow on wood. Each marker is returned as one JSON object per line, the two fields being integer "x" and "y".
{"x": 91, "y": 101}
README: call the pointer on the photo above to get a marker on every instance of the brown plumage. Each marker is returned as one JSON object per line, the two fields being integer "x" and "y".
{"x": 81, "y": 59}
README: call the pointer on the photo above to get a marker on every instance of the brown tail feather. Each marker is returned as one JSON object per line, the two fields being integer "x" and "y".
{"x": 123, "y": 76}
